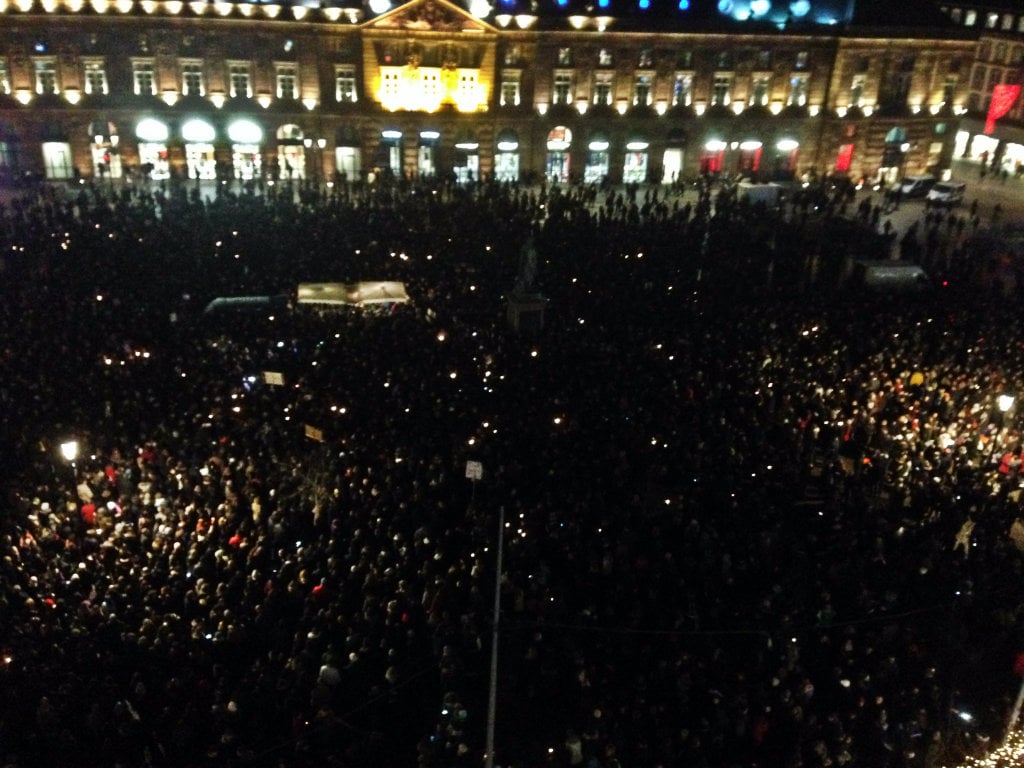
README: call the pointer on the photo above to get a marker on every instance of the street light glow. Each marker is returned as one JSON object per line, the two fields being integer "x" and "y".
{"x": 1005, "y": 402}
{"x": 69, "y": 450}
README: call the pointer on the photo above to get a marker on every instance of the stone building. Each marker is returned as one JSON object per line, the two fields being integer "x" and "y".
{"x": 125, "y": 89}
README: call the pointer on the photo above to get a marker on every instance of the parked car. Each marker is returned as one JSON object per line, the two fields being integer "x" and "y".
{"x": 947, "y": 193}
{"x": 917, "y": 186}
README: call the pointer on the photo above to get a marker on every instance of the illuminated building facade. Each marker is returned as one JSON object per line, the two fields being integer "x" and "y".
{"x": 999, "y": 62}
{"x": 207, "y": 90}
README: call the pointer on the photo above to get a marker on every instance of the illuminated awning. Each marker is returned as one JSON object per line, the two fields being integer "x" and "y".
{"x": 151, "y": 130}
{"x": 198, "y": 132}
{"x": 508, "y": 141}
{"x": 245, "y": 132}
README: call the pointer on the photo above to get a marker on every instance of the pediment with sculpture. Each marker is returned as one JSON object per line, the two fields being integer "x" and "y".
{"x": 429, "y": 16}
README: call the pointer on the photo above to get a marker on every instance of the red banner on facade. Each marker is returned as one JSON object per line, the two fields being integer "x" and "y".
{"x": 1003, "y": 97}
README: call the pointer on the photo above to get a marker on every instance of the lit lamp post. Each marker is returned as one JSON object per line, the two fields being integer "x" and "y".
{"x": 320, "y": 144}
{"x": 318, "y": 160}
{"x": 69, "y": 450}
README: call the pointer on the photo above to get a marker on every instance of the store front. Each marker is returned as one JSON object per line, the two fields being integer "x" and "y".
{"x": 105, "y": 150}
{"x": 467, "y": 159}
{"x": 389, "y": 153}
{"x": 712, "y": 156}
{"x": 785, "y": 161}
{"x": 748, "y": 161}
{"x": 9, "y": 161}
{"x": 506, "y": 157}
{"x": 291, "y": 155}
{"x": 57, "y": 159}
{"x": 595, "y": 170}
{"x": 246, "y": 138}
{"x": 634, "y": 165}
{"x": 152, "y": 135}
{"x": 426, "y": 154}
{"x": 556, "y": 166}
{"x": 673, "y": 158}
{"x": 200, "y": 160}
{"x": 894, "y": 155}
{"x": 347, "y": 156}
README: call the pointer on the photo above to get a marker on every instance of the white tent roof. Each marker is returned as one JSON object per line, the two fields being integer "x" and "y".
{"x": 353, "y": 294}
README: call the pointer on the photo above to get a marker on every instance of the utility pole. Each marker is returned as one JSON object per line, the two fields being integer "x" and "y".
{"x": 492, "y": 700}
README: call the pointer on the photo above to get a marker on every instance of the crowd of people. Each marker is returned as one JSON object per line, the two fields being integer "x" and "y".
{"x": 753, "y": 517}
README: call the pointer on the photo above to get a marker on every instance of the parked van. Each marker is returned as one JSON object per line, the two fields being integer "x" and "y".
{"x": 889, "y": 275}
{"x": 947, "y": 193}
{"x": 917, "y": 186}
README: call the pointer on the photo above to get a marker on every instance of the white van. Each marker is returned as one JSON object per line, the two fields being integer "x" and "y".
{"x": 889, "y": 275}
{"x": 947, "y": 193}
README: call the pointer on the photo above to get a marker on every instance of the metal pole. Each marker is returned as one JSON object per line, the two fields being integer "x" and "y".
{"x": 1015, "y": 715}
{"x": 492, "y": 701}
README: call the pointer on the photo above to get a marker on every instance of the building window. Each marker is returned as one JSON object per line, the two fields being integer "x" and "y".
{"x": 603, "y": 88}
{"x": 143, "y": 78}
{"x": 46, "y": 76}
{"x": 970, "y": 17}
{"x": 1007, "y": 22}
{"x": 797, "y": 96}
{"x": 899, "y": 90}
{"x": 1001, "y": 53}
{"x": 759, "y": 87}
{"x": 604, "y": 58}
{"x": 192, "y": 81}
{"x": 948, "y": 91}
{"x": 643, "y": 90}
{"x": 646, "y": 59}
{"x": 801, "y": 60}
{"x": 978, "y": 78}
{"x": 510, "y": 79}
{"x": 991, "y": 20}
{"x": 985, "y": 51}
{"x": 723, "y": 60}
{"x": 345, "y": 84}
{"x": 468, "y": 87}
{"x": 1020, "y": 24}
{"x": 287, "y": 81}
{"x": 512, "y": 56}
{"x": 390, "y": 85}
{"x": 720, "y": 91}
{"x": 565, "y": 57}
{"x": 5, "y": 79}
{"x": 857, "y": 90}
{"x": 764, "y": 61}
{"x": 239, "y": 81}
{"x": 95, "y": 78}
{"x": 682, "y": 89}
{"x": 684, "y": 60}
{"x": 957, "y": 15}
{"x": 562, "y": 93}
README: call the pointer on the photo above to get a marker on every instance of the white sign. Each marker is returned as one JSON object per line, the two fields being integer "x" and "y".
{"x": 474, "y": 470}
{"x": 273, "y": 378}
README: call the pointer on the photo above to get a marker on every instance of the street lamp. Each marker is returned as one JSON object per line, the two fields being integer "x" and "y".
{"x": 1005, "y": 402}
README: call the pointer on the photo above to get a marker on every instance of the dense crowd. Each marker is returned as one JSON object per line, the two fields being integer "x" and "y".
{"x": 753, "y": 517}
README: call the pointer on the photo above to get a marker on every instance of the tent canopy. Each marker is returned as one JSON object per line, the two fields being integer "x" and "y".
{"x": 353, "y": 294}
